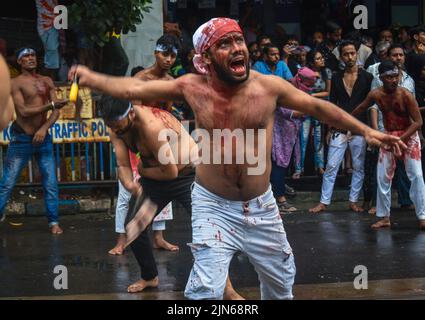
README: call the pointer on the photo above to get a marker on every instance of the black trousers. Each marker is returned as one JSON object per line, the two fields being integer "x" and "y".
{"x": 370, "y": 178}
{"x": 161, "y": 193}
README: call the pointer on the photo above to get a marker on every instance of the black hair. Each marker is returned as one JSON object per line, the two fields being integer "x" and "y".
{"x": 331, "y": 27}
{"x": 386, "y": 65}
{"x": 251, "y": 44}
{"x": 110, "y": 108}
{"x": 136, "y": 70}
{"x": 262, "y": 37}
{"x": 395, "y": 46}
{"x": 169, "y": 42}
{"x": 416, "y": 30}
{"x": 268, "y": 46}
{"x": 345, "y": 43}
{"x": 311, "y": 57}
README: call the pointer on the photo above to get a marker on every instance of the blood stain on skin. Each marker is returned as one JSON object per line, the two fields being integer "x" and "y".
{"x": 163, "y": 116}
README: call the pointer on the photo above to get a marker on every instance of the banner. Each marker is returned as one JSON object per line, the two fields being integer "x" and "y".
{"x": 66, "y": 131}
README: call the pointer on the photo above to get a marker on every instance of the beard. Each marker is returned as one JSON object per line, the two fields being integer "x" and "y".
{"x": 225, "y": 75}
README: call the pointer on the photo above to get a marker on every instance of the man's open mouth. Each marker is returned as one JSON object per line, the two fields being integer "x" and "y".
{"x": 238, "y": 66}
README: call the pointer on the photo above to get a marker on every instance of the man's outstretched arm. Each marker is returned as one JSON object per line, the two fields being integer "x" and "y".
{"x": 364, "y": 105}
{"x": 128, "y": 88}
{"x": 329, "y": 113}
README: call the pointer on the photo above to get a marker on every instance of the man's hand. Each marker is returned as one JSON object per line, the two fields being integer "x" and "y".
{"x": 135, "y": 189}
{"x": 84, "y": 75}
{"x": 386, "y": 141}
{"x": 61, "y": 103}
{"x": 287, "y": 49}
{"x": 39, "y": 136}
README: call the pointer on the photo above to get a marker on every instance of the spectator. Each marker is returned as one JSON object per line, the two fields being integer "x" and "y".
{"x": 298, "y": 59}
{"x": 349, "y": 88}
{"x": 288, "y": 48}
{"x": 49, "y": 35}
{"x": 363, "y": 52}
{"x": 262, "y": 40}
{"x": 320, "y": 89}
{"x": 271, "y": 63}
{"x": 386, "y": 35}
{"x": 333, "y": 37}
{"x": 417, "y": 35}
{"x": 254, "y": 53}
{"x": 380, "y": 54}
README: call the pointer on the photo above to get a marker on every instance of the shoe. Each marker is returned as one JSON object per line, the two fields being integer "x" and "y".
{"x": 289, "y": 191}
{"x": 285, "y": 207}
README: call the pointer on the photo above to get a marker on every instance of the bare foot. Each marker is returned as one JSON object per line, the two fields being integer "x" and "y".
{"x": 160, "y": 243}
{"x": 55, "y": 229}
{"x": 230, "y": 293}
{"x": 319, "y": 208}
{"x": 383, "y": 223}
{"x": 354, "y": 207}
{"x": 142, "y": 284}
{"x": 422, "y": 224}
{"x": 120, "y": 246}
{"x": 372, "y": 210}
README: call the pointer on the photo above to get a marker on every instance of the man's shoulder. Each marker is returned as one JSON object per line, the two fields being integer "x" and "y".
{"x": 366, "y": 74}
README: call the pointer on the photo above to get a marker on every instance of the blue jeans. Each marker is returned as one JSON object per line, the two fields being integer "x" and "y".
{"x": 317, "y": 143}
{"x": 18, "y": 154}
{"x": 221, "y": 227}
{"x": 277, "y": 179}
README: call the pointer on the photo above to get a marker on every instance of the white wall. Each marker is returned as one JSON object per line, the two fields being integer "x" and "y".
{"x": 140, "y": 45}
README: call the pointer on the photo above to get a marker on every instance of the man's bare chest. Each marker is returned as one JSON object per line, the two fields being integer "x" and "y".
{"x": 35, "y": 88}
{"x": 244, "y": 111}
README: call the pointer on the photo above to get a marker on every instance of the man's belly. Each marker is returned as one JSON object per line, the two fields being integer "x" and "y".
{"x": 232, "y": 181}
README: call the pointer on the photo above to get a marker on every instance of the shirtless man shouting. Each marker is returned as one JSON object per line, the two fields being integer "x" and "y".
{"x": 33, "y": 95}
{"x": 403, "y": 119}
{"x": 233, "y": 208}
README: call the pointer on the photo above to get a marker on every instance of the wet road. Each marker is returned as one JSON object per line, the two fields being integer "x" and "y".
{"x": 327, "y": 248}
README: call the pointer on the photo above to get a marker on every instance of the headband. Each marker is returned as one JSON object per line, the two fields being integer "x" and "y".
{"x": 25, "y": 52}
{"x": 392, "y": 72}
{"x": 163, "y": 48}
{"x": 123, "y": 116}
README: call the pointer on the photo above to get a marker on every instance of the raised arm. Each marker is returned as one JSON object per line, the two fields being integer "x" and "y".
{"x": 415, "y": 116}
{"x": 129, "y": 88}
{"x": 329, "y": 113}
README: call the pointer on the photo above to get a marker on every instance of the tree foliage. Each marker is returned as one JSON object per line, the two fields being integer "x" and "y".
{"x": 97, "y": 18}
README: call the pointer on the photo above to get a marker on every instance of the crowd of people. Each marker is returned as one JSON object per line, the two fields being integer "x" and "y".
{"x": 297, "y": 92}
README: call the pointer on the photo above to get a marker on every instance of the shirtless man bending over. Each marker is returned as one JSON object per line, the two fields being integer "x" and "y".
{"x": 33, "y": 95}
{"x": 233, "y": 208}
{"x": 403, "y": 119}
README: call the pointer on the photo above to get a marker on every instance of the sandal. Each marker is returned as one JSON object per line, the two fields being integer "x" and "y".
{"x": 285, "y": 206}
{"x": 289, "y": 191}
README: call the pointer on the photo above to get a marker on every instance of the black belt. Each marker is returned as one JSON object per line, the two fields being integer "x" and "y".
{"x": 339, "y": 131}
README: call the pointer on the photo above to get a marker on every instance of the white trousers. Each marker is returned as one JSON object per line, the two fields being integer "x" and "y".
{"x": 385, "y": 174}
{"x": 338, "y": 144}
